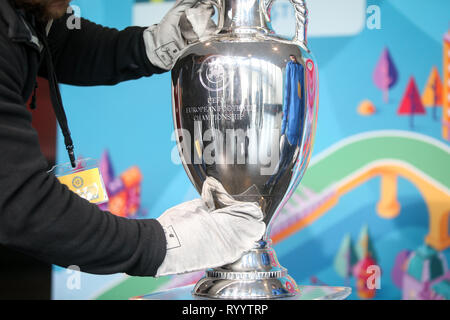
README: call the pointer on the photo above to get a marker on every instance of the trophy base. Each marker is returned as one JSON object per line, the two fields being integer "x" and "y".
{"x": 213, "y": 286}
{"x": 256, "y": 275}
{"x": 306, "y": 293}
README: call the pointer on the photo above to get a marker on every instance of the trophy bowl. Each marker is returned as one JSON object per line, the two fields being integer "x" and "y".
{"x": 245, "y": 109}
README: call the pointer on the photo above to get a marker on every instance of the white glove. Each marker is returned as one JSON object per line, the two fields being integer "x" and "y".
{"x": 187, "y": 21}
{"x": 199, "y": 237}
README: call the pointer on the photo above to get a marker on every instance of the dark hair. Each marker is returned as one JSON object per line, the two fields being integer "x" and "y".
{"x": 34, "y": 8}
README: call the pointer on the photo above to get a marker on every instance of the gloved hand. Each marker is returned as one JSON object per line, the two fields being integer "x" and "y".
{"x": 200, "y": 236}
{"x": 187, "y": 21}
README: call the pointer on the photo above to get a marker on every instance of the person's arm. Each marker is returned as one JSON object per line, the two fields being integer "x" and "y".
{"x": 41, "y": 217}
{"x": 97, "y": 55}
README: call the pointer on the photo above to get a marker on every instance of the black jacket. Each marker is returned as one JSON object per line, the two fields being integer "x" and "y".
{"x": 38, "y": 215}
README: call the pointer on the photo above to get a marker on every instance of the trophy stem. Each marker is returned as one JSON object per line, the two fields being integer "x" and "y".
{"x": 256, "y": 275}
{"x": 244, "y": 15}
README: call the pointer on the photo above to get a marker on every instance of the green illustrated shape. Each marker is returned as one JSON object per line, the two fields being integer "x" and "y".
{"x": 345, "y": 258}
{"x": 417, "y": 264}
{"x": 364, "y": 247}
{"x": 352, "y": 154}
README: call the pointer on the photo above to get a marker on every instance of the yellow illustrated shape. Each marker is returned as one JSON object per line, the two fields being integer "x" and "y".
{"x": 432, "y": 94}
{"x": 88, "y": 184}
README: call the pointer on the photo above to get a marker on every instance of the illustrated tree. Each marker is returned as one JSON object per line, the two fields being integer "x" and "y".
{"x": 400, "y": 264}
{"x": 367, "y": 258}
{"x": 385, "y": 75}
{"x": 432, "y": 94}
{"x": 345, "y": 258}
{"x": 364, "y": 247}
{"x": 411, "y": 103}
{"x": 363, "y": 273}
{"x": 106, "y": 168}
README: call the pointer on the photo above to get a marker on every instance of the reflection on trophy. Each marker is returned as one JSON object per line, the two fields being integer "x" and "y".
{"x": 245, "y": 108}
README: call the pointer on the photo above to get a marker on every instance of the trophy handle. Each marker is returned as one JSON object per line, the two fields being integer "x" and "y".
{"x": 301, "y": 18}
{"x": 219, "y": 7}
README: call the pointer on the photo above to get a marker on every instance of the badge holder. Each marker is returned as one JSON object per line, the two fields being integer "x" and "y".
{"x": 85, "y": 179}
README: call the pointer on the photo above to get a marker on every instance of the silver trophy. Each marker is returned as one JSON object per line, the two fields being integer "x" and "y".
{"x": 245, "y": 109}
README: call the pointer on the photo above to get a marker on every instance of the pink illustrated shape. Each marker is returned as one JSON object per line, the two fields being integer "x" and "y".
{"x": 385, "y": 75}
{"x": 411, "y": 103}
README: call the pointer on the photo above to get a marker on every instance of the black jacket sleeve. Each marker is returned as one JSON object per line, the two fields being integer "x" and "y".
{"x": 97, "y": 55}
{"x": 41, "y": 217}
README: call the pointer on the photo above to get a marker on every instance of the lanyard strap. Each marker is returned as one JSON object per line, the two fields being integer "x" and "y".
{"x": 55, "y": 96}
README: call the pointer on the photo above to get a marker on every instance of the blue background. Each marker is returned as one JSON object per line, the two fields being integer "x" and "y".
{"x": 133, "y": 120}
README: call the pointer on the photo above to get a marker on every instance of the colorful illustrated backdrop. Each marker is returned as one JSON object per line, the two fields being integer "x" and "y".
{"x": 377, "y": 191}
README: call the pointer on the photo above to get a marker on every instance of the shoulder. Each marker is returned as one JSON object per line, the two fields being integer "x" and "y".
{"x": 11, "y": 52}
